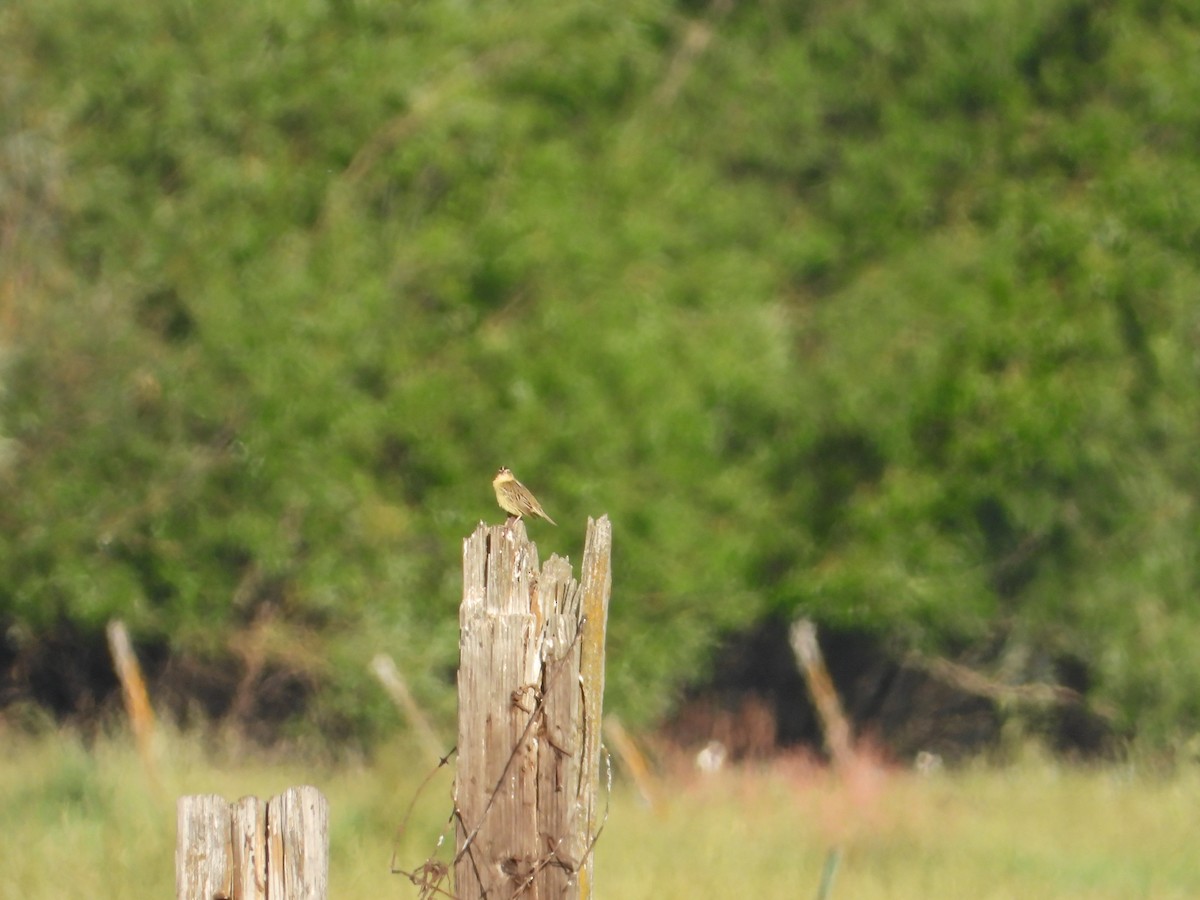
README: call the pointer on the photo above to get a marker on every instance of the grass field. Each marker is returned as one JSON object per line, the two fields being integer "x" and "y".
{"x": 92, "y": 821}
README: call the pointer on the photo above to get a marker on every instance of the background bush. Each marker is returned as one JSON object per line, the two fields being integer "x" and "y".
{"x": 886, "y": 313}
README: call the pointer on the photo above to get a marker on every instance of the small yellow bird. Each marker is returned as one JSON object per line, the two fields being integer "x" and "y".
{"x": 514, "y": 498}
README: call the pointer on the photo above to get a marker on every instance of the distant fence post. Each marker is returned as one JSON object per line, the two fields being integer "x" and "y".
{"x": 530, "y": 693}
{"x": 134, "y": 693}
{"x": 251, "y": 850}
{"x": 838, "y": 734}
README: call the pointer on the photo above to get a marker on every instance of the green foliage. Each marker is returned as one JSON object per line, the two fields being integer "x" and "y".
{"x": 885, "y": 312}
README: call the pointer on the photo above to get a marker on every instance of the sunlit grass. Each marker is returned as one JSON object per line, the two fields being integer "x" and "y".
{"x": 90, "y": 820}
{"x": 1035, "y": 830}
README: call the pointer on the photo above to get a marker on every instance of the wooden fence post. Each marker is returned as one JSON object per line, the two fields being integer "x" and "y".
{"x": 251, "y": 850}
{"x": 838, "y": 734}
{"x": 530, "y": 692}
{"x": 135, "y": 695}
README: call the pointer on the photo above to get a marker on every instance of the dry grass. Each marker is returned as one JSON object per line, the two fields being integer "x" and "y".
{"x": 88, "y": 819}
{"x": 1035, "y": 830}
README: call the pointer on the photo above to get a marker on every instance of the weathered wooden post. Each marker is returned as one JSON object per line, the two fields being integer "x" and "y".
{"x": 838, "y": 734}
{"x": 530, "y": 692}
{"x": 252, "y": 850}
{"x": 135, "y": 695}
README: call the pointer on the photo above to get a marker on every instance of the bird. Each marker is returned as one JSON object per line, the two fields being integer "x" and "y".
{"x": 514, "y": 498}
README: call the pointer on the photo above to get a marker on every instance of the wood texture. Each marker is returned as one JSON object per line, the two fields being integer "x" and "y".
{"x": 597, "y": 589}
{"x": 253, "y": 850}
{"x": 203, "y": 851}
{"x": 298, "y": 845}
{"x": 249, "y": 817}
{"x": 528, "y": 728}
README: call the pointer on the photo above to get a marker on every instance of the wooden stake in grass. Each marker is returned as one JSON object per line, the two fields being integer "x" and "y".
{"x": 384, "y": 668}
{"x": 838, "y": 739}
{"x": 134, "y": 694}
{"x": 628, "y": 753}
{"x": 530, "y": 690}
{"x": 251, "y": 850}
{"x": 838, "y": 735}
